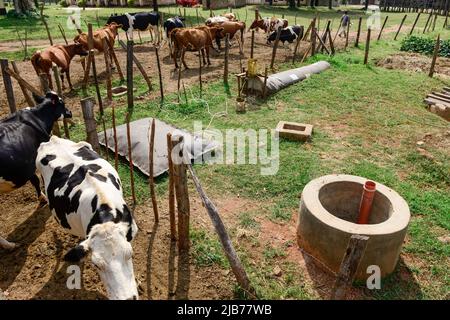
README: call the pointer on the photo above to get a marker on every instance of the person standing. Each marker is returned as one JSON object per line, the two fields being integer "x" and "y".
{"x": 345, "y": 20}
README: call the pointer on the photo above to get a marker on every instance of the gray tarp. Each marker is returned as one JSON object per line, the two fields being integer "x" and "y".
{"x": 140, "y": 144}
{"x": 278, "y": 81}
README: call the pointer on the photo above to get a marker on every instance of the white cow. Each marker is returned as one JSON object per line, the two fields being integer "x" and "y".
{"x": 85, "y": 195}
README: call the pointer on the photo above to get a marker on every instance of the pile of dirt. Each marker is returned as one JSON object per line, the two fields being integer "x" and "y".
{"x": 415, "y": 62}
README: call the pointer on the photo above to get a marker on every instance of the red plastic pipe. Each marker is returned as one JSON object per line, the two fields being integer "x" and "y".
{"x": 366, "y": 202}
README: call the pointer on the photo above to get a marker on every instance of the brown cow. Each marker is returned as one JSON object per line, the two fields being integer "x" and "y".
{"x": 61, "y": 55}
{"x": 230, "y": 28}
{"x": 109, "y": 32}
{"x": 193, "y": 39}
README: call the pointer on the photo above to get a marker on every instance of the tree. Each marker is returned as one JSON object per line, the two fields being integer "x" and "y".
{"x": 292, "y": 4}
{"x": 311, "y": 3}
{"x": 366, "y": 5}
{"x": 155, "y": 5}
{"x": 330, "y": 4}
{"x": 23, "y": 6}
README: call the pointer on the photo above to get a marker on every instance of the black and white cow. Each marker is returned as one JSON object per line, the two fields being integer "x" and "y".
{"x": 85, "y": 196}
{"x": 20, "y": 136}
{"x": 289, "y": 34}
{"x": 172, "y": 23}
{"x": 139, "y": 21}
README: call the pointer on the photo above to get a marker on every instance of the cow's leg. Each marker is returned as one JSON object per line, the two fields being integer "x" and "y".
{"x": 183, "y": 52}
{"x": 207, "y": 55}
{"x": 49, "y": 78}
{"x": 5, "y": 244}
{"x": 204, "y": 56}
{"x": 68, "y": 79}
{"x": 175, "y": 55}
{"x": 218, "y": 44}
{"x": 37, "y": 185}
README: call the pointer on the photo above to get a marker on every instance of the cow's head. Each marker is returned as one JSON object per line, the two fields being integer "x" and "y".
{"x": 216, "y": 32}
{"x": 79, "y": 49}
{"x": 56, "y": 104}
{"x": 255, "y": 24}
{"x": 112, "y": 257}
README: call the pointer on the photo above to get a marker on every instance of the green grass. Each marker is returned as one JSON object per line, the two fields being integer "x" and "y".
{"x": 366, "y": 120}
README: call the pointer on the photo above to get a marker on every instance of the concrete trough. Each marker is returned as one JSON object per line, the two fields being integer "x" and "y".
{"x": 328, "y": 213}
{"x": 294, "y": 130}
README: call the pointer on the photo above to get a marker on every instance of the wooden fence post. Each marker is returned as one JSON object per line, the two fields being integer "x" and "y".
{"x": 161, "y": 88}
{"x": 435, "y": 54}
{"x": 57, "y": 77}
{"x": 252, "y": 44}
{"x": 366, "y": 53}
{"x": 225, "y": 67}
{"x": 108, "y": 73}
{"x": 116, "y": 151}
{"x": 382, "y": 27}
{"x": 350, "y": 262}
{"x": 400, "y": 27}
{"x": 8, "y": 86}
{"x": 139, "y": 66}
{"x": 359, "y": 32}
{"x": 173, "y": 230}
{"x": 414, "y": 24}
{"x": 275, "y": 46}
{"x": 233, "y": 259}
{"x": 61, "y": 29}
{"x": 426, "y": 24}
{"x": 182, "y": 196}
{"x": 151, "y": 180}
{"x": 87, "y": 107}
{"x": 130, "y": 101}
{"x": 45, "y": 24}
{"x": 313, "y": 38}
{"x": 130, "y": 158}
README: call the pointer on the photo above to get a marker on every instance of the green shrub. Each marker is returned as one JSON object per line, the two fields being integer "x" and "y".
{"x": 425, "y": 45}
{"x": 130, "y": 3}
{"x": 63, "y": 3}
{"x": 82, "y": 3}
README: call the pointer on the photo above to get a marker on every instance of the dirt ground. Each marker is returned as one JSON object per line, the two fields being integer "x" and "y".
{"x": 416, "y": 62}
{"x": 35, "y": 270}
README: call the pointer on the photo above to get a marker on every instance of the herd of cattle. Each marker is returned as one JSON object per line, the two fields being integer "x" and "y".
{"x": 84, "y": 191}
{"x": 180, "y": 38}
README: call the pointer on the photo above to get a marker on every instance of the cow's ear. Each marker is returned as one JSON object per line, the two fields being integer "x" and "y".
{"x": 78, "y": 253}
{"x": 52, "y": 96}
{"x": 37, "y": 98}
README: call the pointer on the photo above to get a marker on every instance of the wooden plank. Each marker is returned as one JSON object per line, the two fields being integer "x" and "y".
{"x": 27, "y": 96}
{"x": 23, "y": 82}
{"x": 350, "y": 262}
{"x": 436, "y": 97}
{"x": 435, "y": 101}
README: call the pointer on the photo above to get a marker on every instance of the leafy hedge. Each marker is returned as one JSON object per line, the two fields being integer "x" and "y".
{"x": 425, "y": 45}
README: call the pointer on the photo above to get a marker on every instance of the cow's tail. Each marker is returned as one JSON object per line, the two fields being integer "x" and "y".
{"x": 35, "y": 58}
